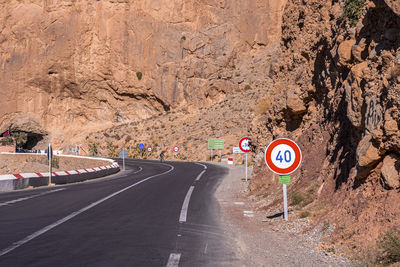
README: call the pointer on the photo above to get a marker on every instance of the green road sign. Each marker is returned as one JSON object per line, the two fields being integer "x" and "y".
{"x": 284, "y": 179}
{"x": 216, "y": 143}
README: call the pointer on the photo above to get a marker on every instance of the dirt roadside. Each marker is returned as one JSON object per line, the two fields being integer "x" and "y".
{"x": 260, "y": 242}
{"x": 25, "y": 163}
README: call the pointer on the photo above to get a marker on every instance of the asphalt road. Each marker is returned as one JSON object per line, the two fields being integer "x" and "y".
{"x": 152, "y": 214}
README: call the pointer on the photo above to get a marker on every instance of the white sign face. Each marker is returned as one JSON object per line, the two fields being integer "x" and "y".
{"x": 283, "y": 156}
{"x": 236, "y": 150}
{"x": 176, "y": 149}
{"x": 244, "y": 145}
{"x": 149, "y": 149}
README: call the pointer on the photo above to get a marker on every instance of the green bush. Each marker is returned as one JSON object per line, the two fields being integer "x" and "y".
{"x": 390, "y": 245}
{"x": 94, "y": 149}
{"x": 139, "y": 75}
{"x": 7, "y": 141}
{"x": 352, "y": 10}
{"x": 20, "y": 138}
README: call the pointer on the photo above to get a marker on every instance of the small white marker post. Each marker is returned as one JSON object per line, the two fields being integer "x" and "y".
{"x": 122, "y": 155}
{"x": 211, "y": 155}
{"x": 285, "y": 207}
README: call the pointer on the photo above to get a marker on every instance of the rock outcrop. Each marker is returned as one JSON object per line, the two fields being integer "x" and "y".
{"x": 347, "y": 84}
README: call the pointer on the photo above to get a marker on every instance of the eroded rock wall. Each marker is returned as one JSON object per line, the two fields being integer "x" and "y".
{"x": 336, "y": 91}
{"x": 75, "y": 67}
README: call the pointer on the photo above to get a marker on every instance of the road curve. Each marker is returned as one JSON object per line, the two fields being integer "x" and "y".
{"x": 152, "y": 214}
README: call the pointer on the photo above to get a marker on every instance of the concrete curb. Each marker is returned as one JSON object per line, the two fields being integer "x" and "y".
{"x": 11, "y": 182}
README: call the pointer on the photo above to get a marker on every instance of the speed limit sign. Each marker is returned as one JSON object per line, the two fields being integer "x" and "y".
{"x": 283, "y": 156}
{"x": 176, "y": 149}
{"x": 149, "y": 149}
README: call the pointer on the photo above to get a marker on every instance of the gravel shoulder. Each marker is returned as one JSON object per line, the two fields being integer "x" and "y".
{"x": 267, "y": 242}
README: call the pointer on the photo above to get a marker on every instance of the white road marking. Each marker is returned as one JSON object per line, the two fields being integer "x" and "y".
{"x": 140, "y": 169}
{"x": 199, "y": 176}
{"x": 185, "y": 205}
{"x": 238, "y": 203}
{"x": 248, "y": 215}
{"x": 248, "y": 211}
{"x": 174, "y": 259}
{"x": 205, "y": 249}
{"x": 74, "y": 214}
{"x": 205, "y": 167}
{"x": 29, "y": 197}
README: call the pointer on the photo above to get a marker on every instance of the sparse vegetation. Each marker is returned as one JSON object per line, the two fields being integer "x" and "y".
{"x": 352, "y": 10}
{"x": 390, "y": 246}
{"x": 112, "y": 150}
{"x": 94, "y": 149}
{"x": 304, "y": 214}
{"x": 139, "y": 75}
{"x": 20, "y": 138}
{"x": 301, "y": 200}
{"x": 55, "y": 162}
{"x": 7, "y": 141}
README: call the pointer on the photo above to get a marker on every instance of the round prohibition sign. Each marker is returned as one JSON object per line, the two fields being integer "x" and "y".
{"x": 176, "y": 149}
{"x": 244, "y": 145}
{"x": 149, "y": 149}
{"x": 283, "y": 156}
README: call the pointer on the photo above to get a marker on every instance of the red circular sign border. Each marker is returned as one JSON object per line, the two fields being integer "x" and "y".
{"x": 173, "y": 149}
{"x": 240, "y": 147}
{"x": 150, "y": 148}
{"x": 296, "y": 163}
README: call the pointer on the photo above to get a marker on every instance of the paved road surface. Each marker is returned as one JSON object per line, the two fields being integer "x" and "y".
{"x": 150, "y": 215}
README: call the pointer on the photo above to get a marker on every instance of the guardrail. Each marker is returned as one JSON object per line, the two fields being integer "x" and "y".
{"x": 17, "y": 181}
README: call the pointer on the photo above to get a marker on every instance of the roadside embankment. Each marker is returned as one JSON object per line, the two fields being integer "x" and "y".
{"x": 19, "y": 171}
{"x": 260, "y": 242}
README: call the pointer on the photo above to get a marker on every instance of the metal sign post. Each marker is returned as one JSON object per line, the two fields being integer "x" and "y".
{"x": 245, "y": 148}
{"x": 215, "y": 144}
{"x": 283, "y": 157}
{"x": 285, "y": 208}
{"x": 246, "y": 166}
{"x": 50, "y": 157}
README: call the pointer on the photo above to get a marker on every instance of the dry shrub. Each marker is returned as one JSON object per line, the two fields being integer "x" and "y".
{"x": 301, "y": 200}
{"x": 390, "y": 246}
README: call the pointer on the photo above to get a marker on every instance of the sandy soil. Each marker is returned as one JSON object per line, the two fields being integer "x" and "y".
{"x": 268, "y": 242}
{"x": 22, "y": 163}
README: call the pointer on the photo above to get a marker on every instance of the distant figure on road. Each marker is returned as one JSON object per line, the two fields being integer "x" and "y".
{"x": 162, "y": 156}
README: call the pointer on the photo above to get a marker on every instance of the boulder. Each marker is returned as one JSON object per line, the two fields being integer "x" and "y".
{"x": 367, "y": 153}
{"x": 294, "y": 103}
{"x": 391, "y": 171}
{"x": 344, "y": 52}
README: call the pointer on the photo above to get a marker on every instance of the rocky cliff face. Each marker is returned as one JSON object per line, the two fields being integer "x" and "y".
{"x": 336, "y": 91}
{"x": 69, "y": 68}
